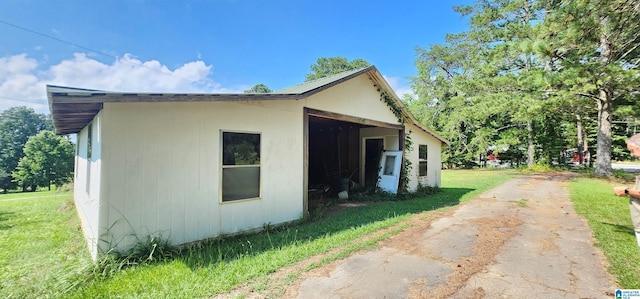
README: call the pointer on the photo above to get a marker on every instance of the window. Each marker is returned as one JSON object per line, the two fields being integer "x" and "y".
{"x": 422, "y": 158}
{"x": 240, "y": 166}
{"x": 389, "y": 164}
{"x": 89, "y": 149}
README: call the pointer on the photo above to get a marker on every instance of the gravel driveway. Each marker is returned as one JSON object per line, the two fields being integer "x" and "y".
{"x": 522, "y": 239}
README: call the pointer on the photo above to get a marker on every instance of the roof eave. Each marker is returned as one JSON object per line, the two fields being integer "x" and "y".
{"x": 80, "y": 106}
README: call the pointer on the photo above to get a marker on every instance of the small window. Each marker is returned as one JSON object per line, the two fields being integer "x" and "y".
{"x": 240, "y": 166}
{"x": 422, "y": 158}
{"x": 89, "y": 147}
{"x": 389, "y": 164}
{"x": 89, "y": 150}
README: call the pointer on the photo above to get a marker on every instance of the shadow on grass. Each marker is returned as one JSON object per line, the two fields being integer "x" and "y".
{"x": 222, "y": 250}
{"x": 4, "y": 216}
{"x": 628, "y": 229}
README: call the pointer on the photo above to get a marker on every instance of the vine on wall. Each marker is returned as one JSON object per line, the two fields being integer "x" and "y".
{"x": 408, "y": 143}
{"x": 406, "y": 163}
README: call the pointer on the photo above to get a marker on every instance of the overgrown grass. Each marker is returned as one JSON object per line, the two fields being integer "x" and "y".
{"x": 609, "y": 218}
{"x": 47, "y": 257}
{"x": 41, "y": 245}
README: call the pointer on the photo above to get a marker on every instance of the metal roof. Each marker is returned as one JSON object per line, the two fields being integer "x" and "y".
{"x": 73, "y": 108}
{"x": 322, "y": 83}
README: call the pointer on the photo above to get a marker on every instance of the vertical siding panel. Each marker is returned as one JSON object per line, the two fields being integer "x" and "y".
{"x": 150, "y": 147}
{"x": 192, "y": 163}
{"x": 205, "y": 180}
{"x": 164, "y": 176}
{"x": 115, "y": 154}
{"x": 208, "y": 174}
{"x": 178, "y": 156}
{"x": 133, "y": 180}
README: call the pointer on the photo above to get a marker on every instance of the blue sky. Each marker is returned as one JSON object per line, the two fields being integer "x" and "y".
{"x": 206, "y": 46}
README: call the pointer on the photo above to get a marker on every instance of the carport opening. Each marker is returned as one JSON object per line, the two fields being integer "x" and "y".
{"x": 343, "y": 154}
{"x": 335, "y": 157}
{"x": 334, "y": 152}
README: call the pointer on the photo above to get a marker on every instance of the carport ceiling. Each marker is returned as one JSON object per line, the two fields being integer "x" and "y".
{"x": 319, "y": 124}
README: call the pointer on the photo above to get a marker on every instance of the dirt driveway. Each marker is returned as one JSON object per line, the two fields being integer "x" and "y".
{"x": 522, "y": 239}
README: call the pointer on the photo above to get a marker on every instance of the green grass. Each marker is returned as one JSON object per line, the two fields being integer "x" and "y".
{"x": 40, "y": 243}
{"x": 609, "y": 218}
{"x": 44, "y": 255}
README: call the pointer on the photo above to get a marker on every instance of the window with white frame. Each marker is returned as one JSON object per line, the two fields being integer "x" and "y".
{"x": 422, "y": 160}
{"x": 240, "y": 166}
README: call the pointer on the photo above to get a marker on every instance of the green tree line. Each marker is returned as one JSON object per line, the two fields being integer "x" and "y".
{"x": 533, "y": 78}
{"x": 31, "y": 155}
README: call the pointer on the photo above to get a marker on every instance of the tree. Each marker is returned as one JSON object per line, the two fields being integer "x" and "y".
{"x": 17, "y": 124}
{"x": 595, "y": 45}
{"x": 259, "y": 88}
{"x": 48, "y": 159}
{"x": 485, "y": 86}
{"x": 333, "y": 65}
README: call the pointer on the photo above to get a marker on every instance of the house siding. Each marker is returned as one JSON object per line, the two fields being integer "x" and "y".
{"x": 356, "y": 97}
{"x": 164, "y": 169}
{"x": 87, "y": 183}
{"x": 155, "y": 168}
{"x": 434, "y": 156}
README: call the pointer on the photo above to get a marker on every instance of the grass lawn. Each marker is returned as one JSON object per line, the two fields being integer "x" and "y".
{"x": 608, "y": 216}
{"x": 43, "y": 253}
{"x": 40, "y": 243}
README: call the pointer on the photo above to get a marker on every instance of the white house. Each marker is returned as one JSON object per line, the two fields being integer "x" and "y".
{"x": 194, "y": 166}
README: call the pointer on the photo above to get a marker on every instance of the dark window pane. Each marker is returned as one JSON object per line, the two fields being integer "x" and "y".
{"x": 240, "y": 148}
{"x": 89, "y": 145}
{"x": 389, "y": 163}
{"x": 422, "y": 168}
{"x": 422, "y": 152}
{"x": 240, "y": 183}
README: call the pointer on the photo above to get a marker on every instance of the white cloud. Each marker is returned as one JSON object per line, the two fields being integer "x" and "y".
{"x": 19, "y": 84}
{"x": 22, "y": 82}
{"x": 130, "y": 74}
{"x": 400, "y": 88}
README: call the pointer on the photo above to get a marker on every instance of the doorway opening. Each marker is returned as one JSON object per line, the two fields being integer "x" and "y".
{"x": 372, "y": 153}
{"x": 341, "y": 155}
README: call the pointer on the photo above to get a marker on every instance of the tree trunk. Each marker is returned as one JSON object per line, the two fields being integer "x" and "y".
{"x": 531, "y": 146}
{"x": 603, "y": 149}
{"x": 585, "y": 148}
{"x": 579, "y": 129}
{"x": 605, "y": 107}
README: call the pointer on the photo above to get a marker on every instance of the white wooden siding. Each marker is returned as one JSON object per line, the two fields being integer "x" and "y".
{"x": 164, "y": 163}
{"x": 88, "y": 203}
{"x": 433, "y": 162}
{"x": 355, "y": 97}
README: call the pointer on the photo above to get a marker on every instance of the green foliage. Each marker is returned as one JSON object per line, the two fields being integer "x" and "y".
{"x": 48, "y": 159}
{"x": 17, "y": 124}
{"x": 594, "y": 55}
{"x": 393, "y": 105}
{"x": 524, "y": 75}
{"x": 379, "y": 195}
{"x": 608, "y": 217}
{"x": 333, "y": 65}
{"x": 484, "y": 87}
{"x": 42, "y": 249}
{"x": 259, "y": 88}
{"x": 43, "y": 253}
{"x": 398, "y": 111}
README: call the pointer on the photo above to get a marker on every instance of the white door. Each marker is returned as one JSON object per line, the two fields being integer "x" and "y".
{"x": 390, "y": 171}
